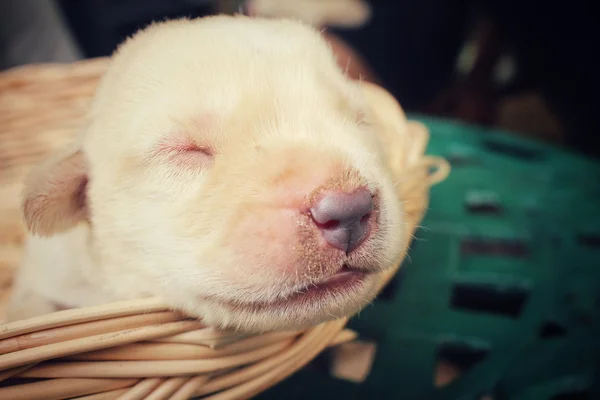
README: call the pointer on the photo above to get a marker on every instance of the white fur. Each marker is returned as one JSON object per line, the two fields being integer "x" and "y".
{"x": 282, "y": 119}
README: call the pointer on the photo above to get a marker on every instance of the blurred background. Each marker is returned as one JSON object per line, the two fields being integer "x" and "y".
{"x": 502, "y": 284}
{"x": 523, "y": 66}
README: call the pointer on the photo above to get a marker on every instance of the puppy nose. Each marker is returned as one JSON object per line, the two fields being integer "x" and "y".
{"x": 343, "y": 218}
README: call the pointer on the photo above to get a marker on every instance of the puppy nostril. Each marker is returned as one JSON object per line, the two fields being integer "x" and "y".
{"x": 343, "y": 218}
{"x": 328, "y": 225}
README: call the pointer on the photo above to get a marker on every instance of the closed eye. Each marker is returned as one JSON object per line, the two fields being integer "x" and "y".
{"x": 192, "y": 156}
{"x": 206, "y": 151}
{"x": 185, "y": 153}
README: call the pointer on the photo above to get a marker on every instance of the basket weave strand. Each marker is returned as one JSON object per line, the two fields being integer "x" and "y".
{"x": 140, "y": 349}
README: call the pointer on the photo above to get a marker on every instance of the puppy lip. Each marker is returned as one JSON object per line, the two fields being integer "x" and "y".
{"x": 343, "y": 275}
{"x": 343, "y": 282}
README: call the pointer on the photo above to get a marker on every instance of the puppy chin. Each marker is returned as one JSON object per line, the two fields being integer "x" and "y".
{"x": 295, "y": 314}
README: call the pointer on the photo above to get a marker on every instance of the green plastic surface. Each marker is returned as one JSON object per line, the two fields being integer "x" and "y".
{"x": 503, "y": 279}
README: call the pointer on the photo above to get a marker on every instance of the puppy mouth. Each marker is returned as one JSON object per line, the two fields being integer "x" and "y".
{"x": 343, "y": 277}
{"x": 344, "y": 283}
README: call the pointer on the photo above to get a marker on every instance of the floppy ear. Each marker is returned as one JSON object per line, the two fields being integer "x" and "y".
{"x": 389, "y": 119}
{"x": 54, "y": 199}
{"x": 404, "y": 141}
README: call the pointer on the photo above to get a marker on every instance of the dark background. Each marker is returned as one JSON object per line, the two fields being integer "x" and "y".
{"x": 413, "y": 46}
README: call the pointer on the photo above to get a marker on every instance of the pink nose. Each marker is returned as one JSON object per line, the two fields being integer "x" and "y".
{"x": 343, "y": 218}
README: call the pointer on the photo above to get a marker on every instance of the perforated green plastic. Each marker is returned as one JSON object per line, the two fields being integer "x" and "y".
{"x": 503, "y": 280}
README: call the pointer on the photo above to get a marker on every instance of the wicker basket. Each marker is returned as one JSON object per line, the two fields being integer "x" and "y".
{"x": 139, "y": 349}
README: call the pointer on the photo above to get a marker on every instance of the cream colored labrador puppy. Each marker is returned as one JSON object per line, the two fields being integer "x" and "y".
{"x": 230, "y": 167}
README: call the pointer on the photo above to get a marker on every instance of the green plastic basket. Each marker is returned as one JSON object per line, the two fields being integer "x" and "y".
{"x": 503, "y": 280}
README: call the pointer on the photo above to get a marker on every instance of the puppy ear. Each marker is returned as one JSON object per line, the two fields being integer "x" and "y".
{"x": 389, "y": 120}
{"x": 55, "y": 194}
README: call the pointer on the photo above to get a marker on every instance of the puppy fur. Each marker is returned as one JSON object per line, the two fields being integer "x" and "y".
{"x": 206, "y": 143}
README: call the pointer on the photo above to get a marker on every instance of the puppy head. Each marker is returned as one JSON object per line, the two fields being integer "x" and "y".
{"x": 230, "y": 167}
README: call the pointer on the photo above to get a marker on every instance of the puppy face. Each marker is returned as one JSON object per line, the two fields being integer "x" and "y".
{"x": 230, "y": 167}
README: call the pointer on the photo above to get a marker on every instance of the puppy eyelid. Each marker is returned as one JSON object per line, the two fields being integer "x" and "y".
{"x": 184, "y": 153}
{"x": 201, "y": 149}
{"x": 192, "y": 154}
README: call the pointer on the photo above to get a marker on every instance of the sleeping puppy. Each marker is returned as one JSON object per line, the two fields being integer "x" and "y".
{"x": 229, "y": 166}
